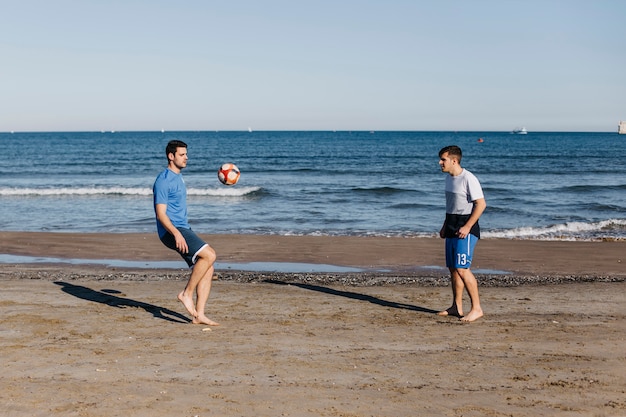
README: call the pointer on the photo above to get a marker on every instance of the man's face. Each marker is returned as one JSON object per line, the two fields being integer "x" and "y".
{"x": 446, "y": 163}
{"x": 179, "y": 159}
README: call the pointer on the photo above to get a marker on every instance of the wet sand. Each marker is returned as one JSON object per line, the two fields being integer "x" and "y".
{"x": 519, "y": 257}
{"x": 101, "y": 341}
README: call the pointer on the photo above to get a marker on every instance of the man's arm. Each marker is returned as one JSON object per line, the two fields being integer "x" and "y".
{"x": 479, "y": 207}
{"x": 161, "y": 214}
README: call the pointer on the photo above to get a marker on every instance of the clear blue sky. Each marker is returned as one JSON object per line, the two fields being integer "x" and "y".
{"x": 312, "y": 65}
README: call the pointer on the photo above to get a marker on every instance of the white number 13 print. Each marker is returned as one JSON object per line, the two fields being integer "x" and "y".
{"x": 461, "y": 259}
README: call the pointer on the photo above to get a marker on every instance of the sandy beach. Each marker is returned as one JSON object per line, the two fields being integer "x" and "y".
{"x": 92, "y": 340}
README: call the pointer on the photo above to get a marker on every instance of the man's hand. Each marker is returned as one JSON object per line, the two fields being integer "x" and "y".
{"x": 181, "y": 243}
{"x": 463, "y": 232}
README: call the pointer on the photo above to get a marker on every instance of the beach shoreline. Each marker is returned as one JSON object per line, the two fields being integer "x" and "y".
{"x": 374, "y": 255}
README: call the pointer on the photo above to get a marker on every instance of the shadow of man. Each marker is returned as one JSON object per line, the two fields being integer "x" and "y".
{"x": 356, "y": 296}
{"x": 107, "y": 297}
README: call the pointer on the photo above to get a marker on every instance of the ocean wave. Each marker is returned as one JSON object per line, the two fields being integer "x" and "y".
{"x": 224, "y": 191}
{"x": 601, "y": 230}
{"x": 584, "y": 188}
{"x": 614, "y": 229}
{"x": 380, "y": 190}
{"x": 74, "y": 191}
{"x": 124, "y": 191}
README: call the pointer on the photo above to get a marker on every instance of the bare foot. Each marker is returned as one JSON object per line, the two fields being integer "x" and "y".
{"x": 452, "y": 311}
{"x": 473, "y": 315}
{"x": 188, "y": 303}
{"x": 202, "y": 319}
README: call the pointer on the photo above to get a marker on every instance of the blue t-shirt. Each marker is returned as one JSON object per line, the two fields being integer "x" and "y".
{"x": 169, "y": 188}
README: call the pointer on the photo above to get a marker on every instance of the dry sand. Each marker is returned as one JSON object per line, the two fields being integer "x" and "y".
{"x": 101, "y": 341}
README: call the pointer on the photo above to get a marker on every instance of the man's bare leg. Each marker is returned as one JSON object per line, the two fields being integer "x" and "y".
{"x": 457, "y": 295}
{"x": 203, "y": 290}
{"x": 206, "y": 259}
{"x": 471, "y": 285}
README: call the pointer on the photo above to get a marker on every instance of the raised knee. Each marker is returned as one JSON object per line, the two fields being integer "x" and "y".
{"x": 208, "y": 254}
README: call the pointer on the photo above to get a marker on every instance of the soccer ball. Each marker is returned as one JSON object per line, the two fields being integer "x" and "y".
{"x": 228, "y": 174}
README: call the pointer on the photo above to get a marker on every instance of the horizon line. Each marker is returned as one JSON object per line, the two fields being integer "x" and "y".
{"x": 372, "y": 131}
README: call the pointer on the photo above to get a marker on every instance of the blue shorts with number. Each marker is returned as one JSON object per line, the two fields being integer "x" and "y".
{"x": 459, "y": 252}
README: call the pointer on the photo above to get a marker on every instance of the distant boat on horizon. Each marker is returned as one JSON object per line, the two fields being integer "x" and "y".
{"x": 621, "y": 128}
{"x": 519, "y": 131}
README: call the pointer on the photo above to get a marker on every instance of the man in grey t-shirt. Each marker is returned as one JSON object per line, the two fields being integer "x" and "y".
{"x": 465, "y": 203}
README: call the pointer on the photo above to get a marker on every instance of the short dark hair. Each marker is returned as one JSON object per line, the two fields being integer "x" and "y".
{"x": 172, "y": 145}
{"x": 452, "y": 150}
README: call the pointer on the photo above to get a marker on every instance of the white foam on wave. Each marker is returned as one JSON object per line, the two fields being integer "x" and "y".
{"x": 223, "y": 191}
{"x": 130, "y": 191}
{"x": 75, "y": 191}
{"x": 564, "y": 231}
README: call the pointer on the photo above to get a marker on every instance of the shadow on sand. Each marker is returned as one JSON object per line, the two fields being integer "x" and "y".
{"x": 107, "y": 297}
{"x": 356, "y": 296}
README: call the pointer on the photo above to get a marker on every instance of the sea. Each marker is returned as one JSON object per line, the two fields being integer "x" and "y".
{"x": 539, "y": 186}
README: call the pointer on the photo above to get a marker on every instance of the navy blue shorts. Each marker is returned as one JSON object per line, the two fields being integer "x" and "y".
{"x": 194, "y": 243}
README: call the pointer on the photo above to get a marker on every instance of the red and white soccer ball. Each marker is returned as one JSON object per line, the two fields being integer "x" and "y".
{"x": 228, "y": 174}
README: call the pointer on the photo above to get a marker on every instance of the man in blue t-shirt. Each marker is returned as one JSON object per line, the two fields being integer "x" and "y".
{"x": 170, "y": 207}
{"x": 465, "y": 203}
